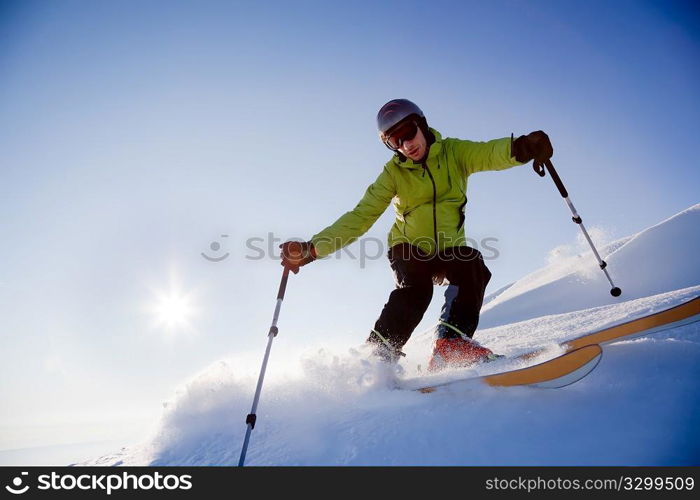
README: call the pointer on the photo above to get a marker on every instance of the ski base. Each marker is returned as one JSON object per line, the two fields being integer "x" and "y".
{"x": 583, "y": 353}
{"x": 557, "y": 372}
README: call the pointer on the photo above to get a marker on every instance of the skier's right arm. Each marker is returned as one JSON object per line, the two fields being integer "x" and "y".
{"x": 357, "y": 222}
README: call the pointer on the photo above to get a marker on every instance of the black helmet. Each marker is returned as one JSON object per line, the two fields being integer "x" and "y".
{"x": 393, "y": 112}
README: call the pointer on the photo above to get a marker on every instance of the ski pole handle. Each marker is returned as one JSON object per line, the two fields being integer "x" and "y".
{"x": 539, "y": 168}
{"x": 556, "y": 179}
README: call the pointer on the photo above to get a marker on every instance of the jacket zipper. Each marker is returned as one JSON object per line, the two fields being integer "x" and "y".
{"x": 425, "y": 168}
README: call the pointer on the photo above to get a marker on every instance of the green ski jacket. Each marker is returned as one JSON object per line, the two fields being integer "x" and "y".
{"x": 428, "y": 198}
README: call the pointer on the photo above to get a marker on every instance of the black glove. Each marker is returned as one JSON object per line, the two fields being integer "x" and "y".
{"x": 533, "y": 146}
{"x": 296, "y": 254}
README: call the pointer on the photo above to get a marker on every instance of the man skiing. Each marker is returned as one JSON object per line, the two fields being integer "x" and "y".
{"x": 427, "y": 180}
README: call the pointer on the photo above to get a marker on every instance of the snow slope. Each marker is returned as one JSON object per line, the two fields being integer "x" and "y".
{"x": 653, "y": 261}
{"x": 641, "y": 406}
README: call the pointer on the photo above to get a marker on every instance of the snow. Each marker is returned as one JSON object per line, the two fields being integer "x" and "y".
{"x": 659, "y": 259}
{"x": 641, "y": 406}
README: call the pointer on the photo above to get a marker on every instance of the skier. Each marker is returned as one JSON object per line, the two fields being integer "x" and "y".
{"x": 427, "y": 180}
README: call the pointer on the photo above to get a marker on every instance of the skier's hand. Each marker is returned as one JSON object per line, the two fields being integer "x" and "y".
{"x": 296, "y": 254}
{"x": 533, "y": 146}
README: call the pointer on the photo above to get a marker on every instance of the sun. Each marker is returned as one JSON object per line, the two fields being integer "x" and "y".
{"x": 173, "y": 310}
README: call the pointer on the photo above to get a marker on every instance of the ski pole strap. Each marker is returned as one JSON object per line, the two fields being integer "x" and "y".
{"x": 387, "y": 343}
{"x": 459, "y": 332}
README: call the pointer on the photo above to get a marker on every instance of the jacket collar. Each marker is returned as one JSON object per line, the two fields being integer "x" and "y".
{"x": 433, "y": 153}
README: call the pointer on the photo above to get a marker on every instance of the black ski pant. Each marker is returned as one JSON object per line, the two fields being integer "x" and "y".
{"x": 415, "y": 273}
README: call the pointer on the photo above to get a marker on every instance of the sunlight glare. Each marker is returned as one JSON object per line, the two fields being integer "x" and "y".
{"x": 173, "y": 310}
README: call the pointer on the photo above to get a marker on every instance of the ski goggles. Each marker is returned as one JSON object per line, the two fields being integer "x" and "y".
{"x": 404, "y": 131}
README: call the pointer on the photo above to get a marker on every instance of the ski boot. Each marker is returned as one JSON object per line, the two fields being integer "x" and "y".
{"x": 384, "y": 364}
{"x": 458, "y": 352}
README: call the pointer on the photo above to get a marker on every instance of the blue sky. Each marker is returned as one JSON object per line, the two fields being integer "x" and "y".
{"x": 135, "y": 134}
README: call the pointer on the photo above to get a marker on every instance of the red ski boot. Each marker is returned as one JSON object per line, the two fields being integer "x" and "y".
{"x": 458, "y": 352}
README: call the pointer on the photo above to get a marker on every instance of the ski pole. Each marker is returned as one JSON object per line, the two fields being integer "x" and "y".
{"x": 614, "y": 291}
{"x": 251, "y": 418}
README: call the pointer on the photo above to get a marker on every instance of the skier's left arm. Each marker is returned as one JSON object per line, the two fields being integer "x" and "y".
{"x": 500, "y": 154}
{"x": 475, "y": 156}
